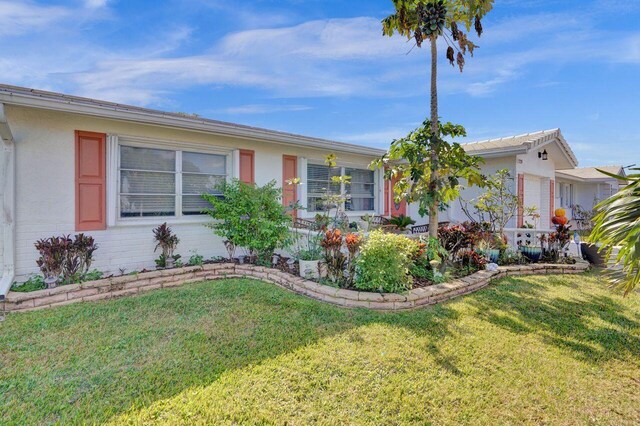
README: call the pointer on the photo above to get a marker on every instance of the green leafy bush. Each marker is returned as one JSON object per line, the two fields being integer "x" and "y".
{"x": 385, "y": 261}
{"x": 34, "y": 283}
{"x": 250, "y": 216}
{"x": 196, "y": 259}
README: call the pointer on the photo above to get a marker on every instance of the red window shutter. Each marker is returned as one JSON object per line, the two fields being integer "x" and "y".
{"x": 397, "y": 209}
{"x": 387, "y": 197}
{"x": 247, "y": 166}
{"x": 289, "y": 171}
{"x": 520, "y": 200}
{"x": 90, "y": 181}
{"x": 552, "y": 197}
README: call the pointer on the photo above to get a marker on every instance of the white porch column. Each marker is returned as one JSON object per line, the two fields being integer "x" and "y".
{"x": 112, "y": 179}
{"x": 303, "y": 187}
{"x": 235, "y": 164}
{"x": 379, "y": 174}
{"x": 9, "y": 207}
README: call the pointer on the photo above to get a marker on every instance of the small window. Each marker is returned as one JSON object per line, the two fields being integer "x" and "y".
{"x": 318, "y": 183}
{"x": 360, "y": 191}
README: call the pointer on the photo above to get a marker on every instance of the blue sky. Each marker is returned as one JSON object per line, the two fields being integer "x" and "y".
{"x": 322, "y": 68}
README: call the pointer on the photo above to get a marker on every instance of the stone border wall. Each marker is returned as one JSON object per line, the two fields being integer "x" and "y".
{"x": 126, "y": 285}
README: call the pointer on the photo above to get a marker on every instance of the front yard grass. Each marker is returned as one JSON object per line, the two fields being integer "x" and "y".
{"x": 532, "y": 350}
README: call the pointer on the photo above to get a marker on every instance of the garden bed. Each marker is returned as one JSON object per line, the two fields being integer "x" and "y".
{"x": 127, "y": 285}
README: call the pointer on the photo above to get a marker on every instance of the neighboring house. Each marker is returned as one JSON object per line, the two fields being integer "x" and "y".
{"x": 72, "y": 164}
{"x": 533, "y": 160}
{"x": 584, "y": 187}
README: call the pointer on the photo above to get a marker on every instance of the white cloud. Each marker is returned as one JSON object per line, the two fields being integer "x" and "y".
{"x": 264, "y": 109}
{"x": 95, "y": 4}
{"x": 380, "y": 138}
{"x": 320, "y": 58}
{"x": 17, "y": 17}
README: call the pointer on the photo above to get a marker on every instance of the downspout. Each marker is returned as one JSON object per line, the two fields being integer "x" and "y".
{"x": 9, "y": 207}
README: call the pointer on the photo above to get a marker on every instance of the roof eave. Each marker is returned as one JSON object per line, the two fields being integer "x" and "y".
{"x": 186, "y": 123}
{"x": 497, "y": 152}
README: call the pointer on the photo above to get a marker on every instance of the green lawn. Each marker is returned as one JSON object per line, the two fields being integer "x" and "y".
{"x": 536, "y": 350}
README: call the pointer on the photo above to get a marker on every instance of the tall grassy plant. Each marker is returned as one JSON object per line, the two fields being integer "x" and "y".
{"x": 617, "y": 223}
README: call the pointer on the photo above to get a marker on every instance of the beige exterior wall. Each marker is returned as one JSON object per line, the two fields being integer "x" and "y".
{"x": 45, "y": 182}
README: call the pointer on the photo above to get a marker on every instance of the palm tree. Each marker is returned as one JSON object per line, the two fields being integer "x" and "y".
{"x": 427, "y": 20}
{"x": 617, "y": 224}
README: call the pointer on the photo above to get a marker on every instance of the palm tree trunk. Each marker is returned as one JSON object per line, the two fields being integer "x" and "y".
{"x": 433, "y": 209}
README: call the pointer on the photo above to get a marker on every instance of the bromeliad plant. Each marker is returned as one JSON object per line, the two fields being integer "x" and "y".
{"x": 167, "y": 241}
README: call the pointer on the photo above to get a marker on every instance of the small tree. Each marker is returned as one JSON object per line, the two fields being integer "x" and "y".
{"x": 428, "y": 179}
{"x": 423, "y": 20}
{"x": 497, "y": 205}
{"x": 250, "y": 216}
{"x": 617, "y": 224}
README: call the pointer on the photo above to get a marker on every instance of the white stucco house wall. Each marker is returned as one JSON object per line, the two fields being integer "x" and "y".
{"x": 72, "y": 164}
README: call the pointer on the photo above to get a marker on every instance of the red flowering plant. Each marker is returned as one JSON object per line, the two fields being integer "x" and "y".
{"x": 353, "y": 243}
{"x": 471, "y": 260}
{"x": 333, "y": 255}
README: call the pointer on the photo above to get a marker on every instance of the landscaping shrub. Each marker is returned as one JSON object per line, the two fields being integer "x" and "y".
{"x": 167, "y": 241}
{"x": 353, "y": 242}
{"x": 385, "y": 261}
{"x": 454, "y": 238}
{"x": 333, "y": 256}
{"x": 250, "y": 216}
{"x": 66, "y": 257}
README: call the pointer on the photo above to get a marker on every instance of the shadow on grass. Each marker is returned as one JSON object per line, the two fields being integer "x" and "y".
{"x": 87, "y": 363}
{"x": 591, "y": 327}
{"x": 90, "y": 362}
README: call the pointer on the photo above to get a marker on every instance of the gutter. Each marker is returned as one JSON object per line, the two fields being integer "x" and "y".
{"x": 9, "y": 205}
{"x": 58, "y": 102}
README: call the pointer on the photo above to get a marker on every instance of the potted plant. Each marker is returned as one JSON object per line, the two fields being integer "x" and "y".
{"x": 487, "y": 249}
{"x": 167, "y": 241}
{"x": 533, "y": 253}
{"x": 309, "y": 256}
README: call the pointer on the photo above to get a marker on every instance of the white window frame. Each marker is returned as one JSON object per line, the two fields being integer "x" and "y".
{"x": 565, "y": 193}
{"x": 342, "y": 166}
{"x": 113, "y": 177}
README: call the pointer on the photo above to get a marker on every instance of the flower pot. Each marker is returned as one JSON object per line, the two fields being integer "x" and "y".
{"x": 591, "y": 254}
{"x": 170, "y": 262}
{"x": 494, "y": 255}
{"x": 309, "y": 268}
{"x": 532, "y": 253}
{"x": 51, "y": 282}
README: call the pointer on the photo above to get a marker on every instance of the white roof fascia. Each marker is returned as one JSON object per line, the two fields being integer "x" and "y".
{"x": 150, "y": 117}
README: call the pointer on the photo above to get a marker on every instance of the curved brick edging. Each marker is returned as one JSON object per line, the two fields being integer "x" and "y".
{"x": 126, "y": 285}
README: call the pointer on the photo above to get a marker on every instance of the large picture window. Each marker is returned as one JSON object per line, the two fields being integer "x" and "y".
{"x": 162, "y": 182}
{"x": 360, "y": 190}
